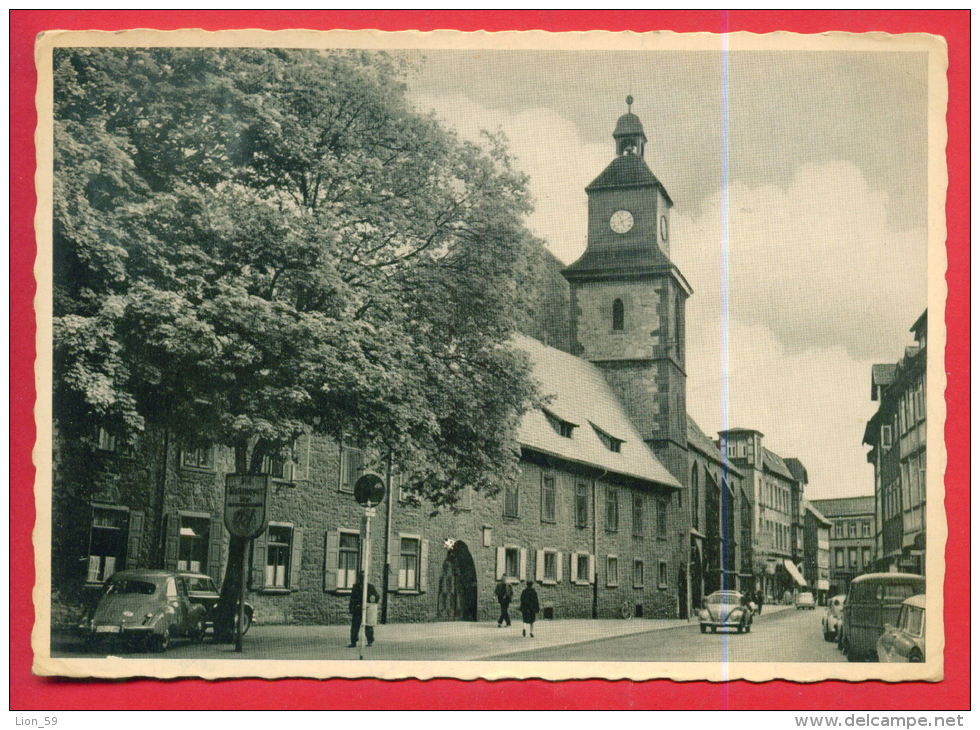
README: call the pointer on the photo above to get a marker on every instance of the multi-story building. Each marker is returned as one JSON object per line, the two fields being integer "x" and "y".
{"x": 897, "y": 437}
{"x": 851, "y": 538}
{"x": 776, "y": 499}
{"x": 816, "y": 551}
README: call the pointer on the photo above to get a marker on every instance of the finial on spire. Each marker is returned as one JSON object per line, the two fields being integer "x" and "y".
{"x": 629, "y": 103}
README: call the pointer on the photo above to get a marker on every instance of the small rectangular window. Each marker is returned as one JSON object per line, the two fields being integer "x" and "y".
{"x": 547, "y": 498}
{"x": 852, "y": 529}
{"x": 200, "y": 458}
{"x": 662, "y": 519}
{"x": 511, "y": 499}
{"x": 351, "y": 467}
{"x": 512, "y": 562}
{"x": 612, "y": 509}
{"x": 581, "y": 505}
{"x": 612, "y": 571}
{"x": 637, "y": 515}
{"x": 550, "y": 570}
{"x": 408, "y": 567}
{"x": 278, "y": 549}
{"x": 348, "y": 559}
{"x": 886, "y": 437}
{"x": 582, "y": 567}
{"x": 637, "y": 573}
{"x": 662, "y": 574}
{"x": 192, "y": 543}
{"x": 865, "y": 529}
{"x": 107, "y": 543}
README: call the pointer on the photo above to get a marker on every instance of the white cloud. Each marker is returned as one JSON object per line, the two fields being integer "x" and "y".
{"x": 546, "y": 146}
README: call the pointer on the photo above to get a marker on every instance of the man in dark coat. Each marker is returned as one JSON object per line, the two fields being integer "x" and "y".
{"x": 355, "y": 610}
{"x": 505, "y": 594}
{"x": 529, "y": 608}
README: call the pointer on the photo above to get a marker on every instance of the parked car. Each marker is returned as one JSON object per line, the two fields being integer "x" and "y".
{"x": 805, "y": 601}
{"x": 832, "y": 619}
{"x": 725, "y": 610}
{"x": 905, "y": 641}
{"x": 151, "y": 607}
{"x": 873, "y": 600}
{"x": 203, "y": 591}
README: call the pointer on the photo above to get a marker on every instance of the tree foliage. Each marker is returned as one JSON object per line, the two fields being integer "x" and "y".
{"x": 254, "y": 244}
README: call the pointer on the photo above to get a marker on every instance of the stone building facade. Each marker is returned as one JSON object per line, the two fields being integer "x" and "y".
{"x": 776, "y": 504}
{"x": 897, "y": 437}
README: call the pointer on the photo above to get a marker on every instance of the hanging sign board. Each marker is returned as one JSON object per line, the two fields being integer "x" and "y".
{"x": 246, "y": 497}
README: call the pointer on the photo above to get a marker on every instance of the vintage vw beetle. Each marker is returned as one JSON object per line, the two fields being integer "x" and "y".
{"x": 725, "y": 609}
{"x": 151, "y": 607}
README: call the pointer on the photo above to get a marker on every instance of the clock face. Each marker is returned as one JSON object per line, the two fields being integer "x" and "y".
{"x": 621, "y": 221}
{"x": 663, "y": 227}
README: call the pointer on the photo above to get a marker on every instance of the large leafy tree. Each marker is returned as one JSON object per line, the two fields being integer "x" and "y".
{"x": 253, "y": 244}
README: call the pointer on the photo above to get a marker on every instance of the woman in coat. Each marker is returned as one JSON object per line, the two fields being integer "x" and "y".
{"x": 529, "y": 608}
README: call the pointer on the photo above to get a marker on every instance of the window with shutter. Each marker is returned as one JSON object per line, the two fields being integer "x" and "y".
{"x": 612, "y": 571}
{"x": 107, "y": 542}
{"x": 134, "y": 539}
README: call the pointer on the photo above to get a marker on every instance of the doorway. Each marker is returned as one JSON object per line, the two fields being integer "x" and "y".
{"x": 457, "y": 599}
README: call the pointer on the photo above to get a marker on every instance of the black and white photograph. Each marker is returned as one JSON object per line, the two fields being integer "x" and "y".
{"x": 490, "y": 355}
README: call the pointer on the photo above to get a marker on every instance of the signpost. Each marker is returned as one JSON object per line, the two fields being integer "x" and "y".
{"x": 246, "y": 497}
{"x": 369, "y": 491}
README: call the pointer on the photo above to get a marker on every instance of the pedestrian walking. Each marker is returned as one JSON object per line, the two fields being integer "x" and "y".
{"x": 354, "y": 607}
{"x": 529, "y": 608}
{"x": 505, "y": 594}
{"x": 758, "y": 600}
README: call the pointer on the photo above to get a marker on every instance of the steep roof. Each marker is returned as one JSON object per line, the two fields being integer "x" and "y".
{"x": 631, "y": 261}
{"x": 798, "y": 470}
{"x": 845, "y": 506}
{"x": 808, "y": 505}
{"x": 881, "y": 374}
{"x": 774, "y": 463}
{"x": 581, "y": 396}
{"x": 699, "y": 440}
{"x": 627, "y": 171}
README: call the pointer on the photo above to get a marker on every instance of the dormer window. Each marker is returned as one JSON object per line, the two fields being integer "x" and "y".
{"x": 561, "y": 427}
{"x": 617, "y": 315}
{"x": 610, "y": 442}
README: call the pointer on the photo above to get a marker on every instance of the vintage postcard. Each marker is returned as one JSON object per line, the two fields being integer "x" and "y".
{"x": 490, "y": 355}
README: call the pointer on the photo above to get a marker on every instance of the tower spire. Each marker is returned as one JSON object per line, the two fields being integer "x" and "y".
{"x": 629, "y": 134}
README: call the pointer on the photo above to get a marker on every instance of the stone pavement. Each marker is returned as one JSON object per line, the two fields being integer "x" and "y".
{"x": 417, "y": 641}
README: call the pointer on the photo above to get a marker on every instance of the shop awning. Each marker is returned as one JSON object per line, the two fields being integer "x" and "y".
{"x": 792, "y": 570}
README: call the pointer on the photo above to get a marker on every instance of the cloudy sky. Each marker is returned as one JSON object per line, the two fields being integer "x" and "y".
{"x": 799, "y": 217}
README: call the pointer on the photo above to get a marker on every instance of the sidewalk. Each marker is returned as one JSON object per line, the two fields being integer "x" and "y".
{"x": 426, "y": 641}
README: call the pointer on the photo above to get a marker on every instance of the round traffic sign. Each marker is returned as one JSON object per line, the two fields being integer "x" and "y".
{"x": 369, "y": 490}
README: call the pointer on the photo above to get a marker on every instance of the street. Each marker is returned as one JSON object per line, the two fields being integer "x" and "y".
{"x": 781, "y": 634}
{"x": 786, "y": 636}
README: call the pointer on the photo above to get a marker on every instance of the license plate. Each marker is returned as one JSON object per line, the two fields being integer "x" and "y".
{"x": 107, "y": 629}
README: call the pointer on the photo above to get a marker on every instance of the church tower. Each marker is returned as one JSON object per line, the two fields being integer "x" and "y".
{"x": 627, "y": 297}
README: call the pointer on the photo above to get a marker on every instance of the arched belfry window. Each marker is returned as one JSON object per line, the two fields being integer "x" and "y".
{"x": 617, "y": 315}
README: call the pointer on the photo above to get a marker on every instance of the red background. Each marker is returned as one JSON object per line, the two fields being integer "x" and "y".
{"x": 29, "y": 692}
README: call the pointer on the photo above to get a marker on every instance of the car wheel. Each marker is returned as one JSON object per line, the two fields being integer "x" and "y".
{"x": 246, "y": 623}
{"x": 915, "y": 657}
{"x": 704, "y": 629}
{"x": 827, "y": 636}
{"x": 161, "y": 642}
{"x": 748, "y": 627}
{"x": 626, "y": 610}
{"x": 714, "y": 629}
